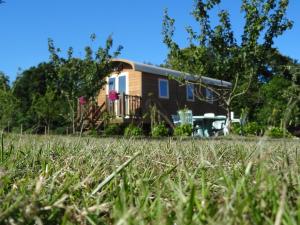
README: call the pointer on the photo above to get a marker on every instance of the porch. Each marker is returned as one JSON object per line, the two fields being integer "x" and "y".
{"x": 126, "y": 106}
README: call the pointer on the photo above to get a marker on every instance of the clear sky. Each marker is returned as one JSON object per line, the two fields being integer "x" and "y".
{"x": 26, "y": 25}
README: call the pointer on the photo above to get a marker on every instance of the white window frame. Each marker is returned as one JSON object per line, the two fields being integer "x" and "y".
{"x": 107, "y": 83}
{"x": 187, "y": 92}
{"x": 209, "y": 95}
{"x": 168, "y": 89}
{"x": 116, "y": 76}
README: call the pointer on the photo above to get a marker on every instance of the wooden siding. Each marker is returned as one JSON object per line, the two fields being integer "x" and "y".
{"x": 177, "y": 97}
{"x": 135, "y": 83}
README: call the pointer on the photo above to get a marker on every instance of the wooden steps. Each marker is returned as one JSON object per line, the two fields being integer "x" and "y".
{"x": 89, "y": 116}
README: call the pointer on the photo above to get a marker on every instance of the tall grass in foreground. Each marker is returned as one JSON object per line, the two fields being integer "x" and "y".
{"x": 64, "y": 180}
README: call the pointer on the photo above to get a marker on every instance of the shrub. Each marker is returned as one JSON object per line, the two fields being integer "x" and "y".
{"x": 133, "y": 130}
{"x": 253, "y": 128}
{"x": 60, "y": 130}
{"x": 92, "y": 132}
{"x": 276, "y": 132}
{"x": 235, "y": 128}
{"x": 183, "y": 130}
{"x": 159, "y": 130}
{"x": 112, "y": 129}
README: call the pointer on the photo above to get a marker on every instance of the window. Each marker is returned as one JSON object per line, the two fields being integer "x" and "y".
{"x": 122, "y": 84}
{"x": 111, "y": 84}
{"x": 209, "y": 95}
{"x": 190, "y": 92}
{"x": 163, "y": 88}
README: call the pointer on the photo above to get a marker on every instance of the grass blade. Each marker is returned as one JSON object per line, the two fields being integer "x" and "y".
{"x": 111, "y": 176}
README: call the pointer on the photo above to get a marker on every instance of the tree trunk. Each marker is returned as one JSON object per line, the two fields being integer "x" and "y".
{"x": 228, "y": 121}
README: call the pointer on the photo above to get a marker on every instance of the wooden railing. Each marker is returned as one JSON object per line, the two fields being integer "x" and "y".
{"x": 125, "y": 106}
{"x": 88, "y": 115}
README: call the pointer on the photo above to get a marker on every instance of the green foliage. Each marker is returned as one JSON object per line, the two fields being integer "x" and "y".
{"x": 250, "y": 128}
{"x": 48, "y": 94}
{"x": 8, "y": 109}
{"x": 4, "y": 82}
{"x": 46, "y": 107}
{"x": 276, "y": 132}
{"x": 183, "y": 130}
{"x": 60, "y": 131}
{"x": 112, "y": 129}
{"x": 92, "y": 133}
{"x": 133, "y": 130}
{"x": 235, "y": 128}
{"x": 31, "y": 85}
{"x": 273, "y": 101}
{"x": 253, "y": 128}
{"x": 82, "y": 77}
{"x": 215, "y": 50}
{"x": 9, "y": 105}
{"x": 292, "y": 95}
{"x": 159, "y": 130}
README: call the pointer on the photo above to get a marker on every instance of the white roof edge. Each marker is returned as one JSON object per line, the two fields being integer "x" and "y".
{"x": 169, "y": 72}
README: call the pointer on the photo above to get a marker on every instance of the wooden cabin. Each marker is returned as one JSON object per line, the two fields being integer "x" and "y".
{"x": 141, "y": 85}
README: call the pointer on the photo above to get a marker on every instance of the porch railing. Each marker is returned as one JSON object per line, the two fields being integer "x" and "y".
{"x": 125, "y": 106}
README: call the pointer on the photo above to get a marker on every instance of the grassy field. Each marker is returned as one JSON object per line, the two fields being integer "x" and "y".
{"x": 68, "y": 180}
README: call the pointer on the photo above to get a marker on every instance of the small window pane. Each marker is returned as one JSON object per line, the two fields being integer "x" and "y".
{"x": 111, "y": 84}
{"x": 190, "y": 92}
{"x": 122, "y": 84}
{"x": 163, "y": 88}
{"x": 209, "y": 96}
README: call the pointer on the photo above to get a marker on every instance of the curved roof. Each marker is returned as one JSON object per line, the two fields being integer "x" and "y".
{"x": 168, "y": 72}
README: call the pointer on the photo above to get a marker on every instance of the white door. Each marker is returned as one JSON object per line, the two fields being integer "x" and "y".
{"x": 120, "y": 85}
{"x": 122, "y": 90}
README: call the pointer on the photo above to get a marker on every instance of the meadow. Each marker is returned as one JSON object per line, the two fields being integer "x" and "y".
{"x": 71, "y": 180}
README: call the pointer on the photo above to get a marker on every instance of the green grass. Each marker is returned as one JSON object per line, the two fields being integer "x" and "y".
{"x": 68, "y": 180}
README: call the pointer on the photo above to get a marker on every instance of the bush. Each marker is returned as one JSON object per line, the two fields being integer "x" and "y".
{"x": 60, "y": 130}
{"x": 133, "y": 130}
{"x": 159, "y": 130}
{"x": 112, "y": 129}
{"x": 235, "y": 128}
{"x": 183, "y": 130}
{"x": 92, "y": 132}
{"x": 276, "y": 132}
{"x": 251, "y": 128}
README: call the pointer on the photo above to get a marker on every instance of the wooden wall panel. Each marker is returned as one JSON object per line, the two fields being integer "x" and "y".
{"x": 135, "y": 83}
{"x": 177, "y": 97}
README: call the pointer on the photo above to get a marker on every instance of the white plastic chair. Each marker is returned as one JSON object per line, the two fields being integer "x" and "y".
{"x": 176, "y": 119}
{"x": 186, "y": 117}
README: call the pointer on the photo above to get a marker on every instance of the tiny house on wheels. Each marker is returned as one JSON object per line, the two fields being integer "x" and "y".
{"x": 134, "y": 87}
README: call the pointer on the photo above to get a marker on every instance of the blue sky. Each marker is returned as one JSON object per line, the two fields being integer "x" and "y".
{"x": 26, "y": 26}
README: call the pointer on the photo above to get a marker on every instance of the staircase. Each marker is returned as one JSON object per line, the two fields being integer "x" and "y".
{"x": 89, "y": 116}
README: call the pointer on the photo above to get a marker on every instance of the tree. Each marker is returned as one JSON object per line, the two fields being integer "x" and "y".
{"x": 215, "y": 51}
{"x": 30, "y": 85}
{"x": 47, "y": 108}
{"x": 77, "y": 77}
{"x": 9, "y": 105}
{"x": 273, "y": 101}
{"x": 292, "y": 94}
{"x": 4, "y": 82}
